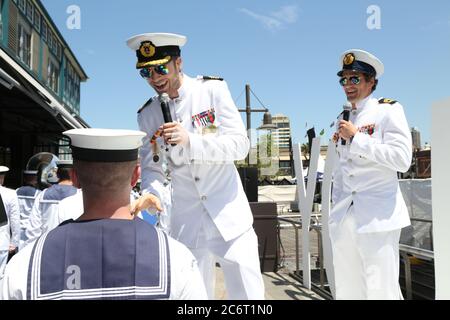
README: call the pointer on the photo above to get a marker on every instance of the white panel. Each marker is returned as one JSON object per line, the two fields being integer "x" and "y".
{"x": 440, "y": 172}
{"x": 326, "y": 209}
{"x": 305, "y": 202}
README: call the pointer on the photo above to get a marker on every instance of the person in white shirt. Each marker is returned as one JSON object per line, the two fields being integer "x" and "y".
{"x": 9, "y": 222}
{"x": 107, "y": 253}
{"x": 368, "y": 212}
{"x": 188, "y": 165}
{"x": 27, "y": 195}
{"x": 44, "y": 214}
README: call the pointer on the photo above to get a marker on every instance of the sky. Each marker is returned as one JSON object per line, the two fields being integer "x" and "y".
{"x": 287, "y": 51}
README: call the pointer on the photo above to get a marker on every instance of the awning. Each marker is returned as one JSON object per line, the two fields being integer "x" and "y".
{"x": 15, "y": 76}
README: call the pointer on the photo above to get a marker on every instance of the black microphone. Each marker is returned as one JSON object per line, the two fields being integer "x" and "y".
{"x": 164, "y": 100}
{"x": 346, "y": 117}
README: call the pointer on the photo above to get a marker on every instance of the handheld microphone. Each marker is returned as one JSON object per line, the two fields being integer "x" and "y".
{"x": 164, "y": 100}
{"x": 346, "y": 117}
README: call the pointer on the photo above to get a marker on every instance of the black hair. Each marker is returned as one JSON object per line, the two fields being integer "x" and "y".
{"x": 63, "y": 174}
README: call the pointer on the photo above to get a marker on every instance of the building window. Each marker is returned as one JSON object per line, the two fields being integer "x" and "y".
{"x": 37, "y": 20}
{"x": 30, "y": 11}
{"x": 285, "y": 164}
{"x": 53, "y": 76}
{"x": 283, "y": 125}
{"x": 72, "y": 85}
{"x": 22, "y": 5}
{"x": 49, "y": 38}
{"x": 44, "y": 30}
{"x": 24, "y": 45}
{"x": 55, "y": 44}
{"x": 68, "y": 89}
{"x": 77, "y": 90}
{"x": 58, "y": 51}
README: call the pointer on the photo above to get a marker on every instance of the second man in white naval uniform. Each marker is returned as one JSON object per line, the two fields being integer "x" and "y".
{"x": 368, "y": 208}
{"x": 195, "y": 154}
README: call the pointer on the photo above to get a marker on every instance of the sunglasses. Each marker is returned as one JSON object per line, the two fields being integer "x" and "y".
{"x": 353, "y": 79}
{"x": 147, "y": 73}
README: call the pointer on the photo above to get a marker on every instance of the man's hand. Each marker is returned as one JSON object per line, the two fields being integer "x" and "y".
{"x": 146, "y": 201}
{"x": 175, "y": 133}
{"x": 347, "y": 130}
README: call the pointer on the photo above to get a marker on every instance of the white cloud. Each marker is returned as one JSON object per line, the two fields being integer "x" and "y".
{"x": 275, "y": 20}
{"x": 288, "y": 14}
{"x": 268, "y": 22}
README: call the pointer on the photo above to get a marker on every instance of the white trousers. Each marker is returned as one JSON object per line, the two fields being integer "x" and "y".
{"x": 239, "y": 260}
{"x": 366, "y": 265}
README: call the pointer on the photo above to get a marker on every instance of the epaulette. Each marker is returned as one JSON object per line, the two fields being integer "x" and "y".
{"x": 209, "y": 78}
{"x": 389, "y": 101}
{"x": 145, "y": 105}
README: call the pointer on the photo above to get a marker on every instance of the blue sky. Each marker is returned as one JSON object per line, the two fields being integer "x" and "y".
{"x": 288, "y": 51}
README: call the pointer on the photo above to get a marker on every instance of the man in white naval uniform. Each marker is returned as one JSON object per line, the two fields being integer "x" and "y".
{"x": 9, "y": 222}
{"x": 209, "y": 212}
{"x": 43, "y": 215}
{"x": 107, "y": 253}
{"x": 27, "y": 195}
{"x": 368, "y": 208}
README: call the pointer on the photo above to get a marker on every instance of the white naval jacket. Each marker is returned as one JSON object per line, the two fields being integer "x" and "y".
{"x": 366, "y": 169}
{"x": 10, "y": 232}
{"x": 204, "y": 177}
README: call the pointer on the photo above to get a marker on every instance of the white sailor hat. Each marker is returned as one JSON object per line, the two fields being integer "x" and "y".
{"x": 3, "y": 169}
{"x": 64, "y": 163}
{"x": 363, "y": 61}
{"x": 105, "y": 145}
{"x": 154, "y": 49}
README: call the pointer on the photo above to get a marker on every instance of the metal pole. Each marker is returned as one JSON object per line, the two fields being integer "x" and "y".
{"x": 248, "y": 111}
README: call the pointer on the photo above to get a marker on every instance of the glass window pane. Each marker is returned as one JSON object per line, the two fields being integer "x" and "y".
{"x": 44, "y": 31}
{"x": 22, "y": 5}
{"x": 30, "y": 11}
{"x": 37, "y": 20}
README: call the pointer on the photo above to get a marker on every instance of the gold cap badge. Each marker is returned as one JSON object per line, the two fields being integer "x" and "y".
{"x": 349, "y": 59}
{"x": 147, "y": 49}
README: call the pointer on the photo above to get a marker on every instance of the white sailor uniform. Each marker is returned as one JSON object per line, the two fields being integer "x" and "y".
{"x": 368, "y": 208}
{"x": 103, "y": 259}
{"x": 27, "y": 196}
{"x": 44, "y": 215}
{"x": 209, "y": 211}
{"x": 10, "y": 231}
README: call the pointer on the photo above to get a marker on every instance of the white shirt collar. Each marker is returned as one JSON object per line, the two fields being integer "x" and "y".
{"x": 361, "y": 104}
{"x": 184, "y": 89}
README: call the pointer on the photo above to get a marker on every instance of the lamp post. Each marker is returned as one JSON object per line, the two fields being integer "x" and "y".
{"x": 267, "y": 120}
